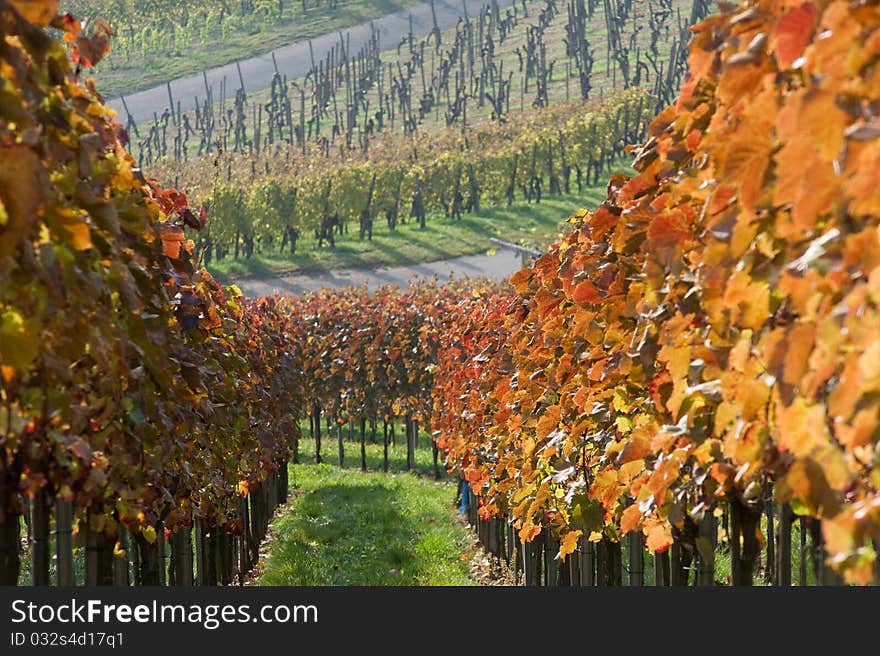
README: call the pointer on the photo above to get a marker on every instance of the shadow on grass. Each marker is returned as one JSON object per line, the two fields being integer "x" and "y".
{"x": 345, "y": 527}
{"x": 344, "y": 534}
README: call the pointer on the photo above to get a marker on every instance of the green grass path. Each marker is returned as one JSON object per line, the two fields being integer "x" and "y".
{"x": 346, "y": 527}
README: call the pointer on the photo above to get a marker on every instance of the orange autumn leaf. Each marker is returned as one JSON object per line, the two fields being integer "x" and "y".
{"x": 606, "y": 488}
{"x": 549, "y": 421}
{"x": 821, "y": 122}
{"x": 863, "y": 186}
{"x": 172, "y": 241}
{"x": 801, "y": 428}
{"x": 798, "y": 346}
{"x": 748, "y": 300}
{"x": 744, "y": 159}
{"x": 630, "y": 519}
{"x": 806, "y": 481}
{"x": 636, "y": 447}
{"x": 585, "y": 292}
{"x": 38, "y": 12}
{"x": 659, "y": 536}
{"x": 860, "y": 430}
{"x": 520, "y": 279}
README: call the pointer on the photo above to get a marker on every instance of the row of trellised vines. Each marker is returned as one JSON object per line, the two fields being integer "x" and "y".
{"x": 491, "y": 65}
{"x": 535, "y": 154}
{"x": 369, "y": 357}
{"x": 707, "y": 339}
{"x": 139, "y": 401}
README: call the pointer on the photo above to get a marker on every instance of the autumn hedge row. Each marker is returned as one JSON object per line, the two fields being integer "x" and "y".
{"x": 130, "y": 383}
{"x": 713, "y": 328}
{"x": 373, "y": 354}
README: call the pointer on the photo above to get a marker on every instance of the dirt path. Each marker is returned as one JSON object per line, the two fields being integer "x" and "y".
{"x": 294, "y": 60}
{"x": 498, "y": 267}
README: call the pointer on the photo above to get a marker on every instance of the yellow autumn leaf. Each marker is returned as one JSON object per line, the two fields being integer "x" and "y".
{"x": 22, "y": 190}
{"x": 569, "y": 543}
{"x": 69, "y": 226}
{"x": 149, "y": 533}
{"x": 19, "y": 342}
{"x": 801, "y": 428}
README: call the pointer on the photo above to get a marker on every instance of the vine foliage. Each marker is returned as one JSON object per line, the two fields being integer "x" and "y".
{"x": 133, "y": 385}
{"x": 711, "y": 330}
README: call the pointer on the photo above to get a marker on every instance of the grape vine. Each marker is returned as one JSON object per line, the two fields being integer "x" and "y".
{"x": 133, "y": 385}
{"x": 710, "y": 331}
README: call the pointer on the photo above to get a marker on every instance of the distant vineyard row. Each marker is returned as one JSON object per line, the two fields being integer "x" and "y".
{"x": 490, "y": 66}
{"x": 535, "y": 154}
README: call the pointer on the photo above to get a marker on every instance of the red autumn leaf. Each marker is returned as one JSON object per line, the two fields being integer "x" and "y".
{"x": 68, "y": 24}
{"x": 193, "y": 220}
{"x": 660, "y": 389}
{"x": 89, "y": 50}
{"x": 668, "y": 229}
{"x": 793, "y": 32}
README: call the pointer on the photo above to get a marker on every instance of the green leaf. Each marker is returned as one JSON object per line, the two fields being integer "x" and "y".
{"x": 587, "y": 514}
{"x": 19, "y": 340}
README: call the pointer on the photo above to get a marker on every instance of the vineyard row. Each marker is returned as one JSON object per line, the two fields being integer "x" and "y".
{"x": 349, "y": 99}
{"x": 490, "y": 167}
{"x": 137, "y": 397}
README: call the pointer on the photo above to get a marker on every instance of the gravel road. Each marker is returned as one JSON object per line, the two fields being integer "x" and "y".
{"x": 498, "y": 267}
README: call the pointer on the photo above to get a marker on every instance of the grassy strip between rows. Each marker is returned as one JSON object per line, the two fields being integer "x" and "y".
{"x": 534, "y": 225}
{"x": 345, "y": 527}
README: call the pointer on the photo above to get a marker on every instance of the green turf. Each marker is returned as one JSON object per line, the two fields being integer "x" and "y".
{"x": 345, "y": 527}
{"x": 535, "y": 225}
